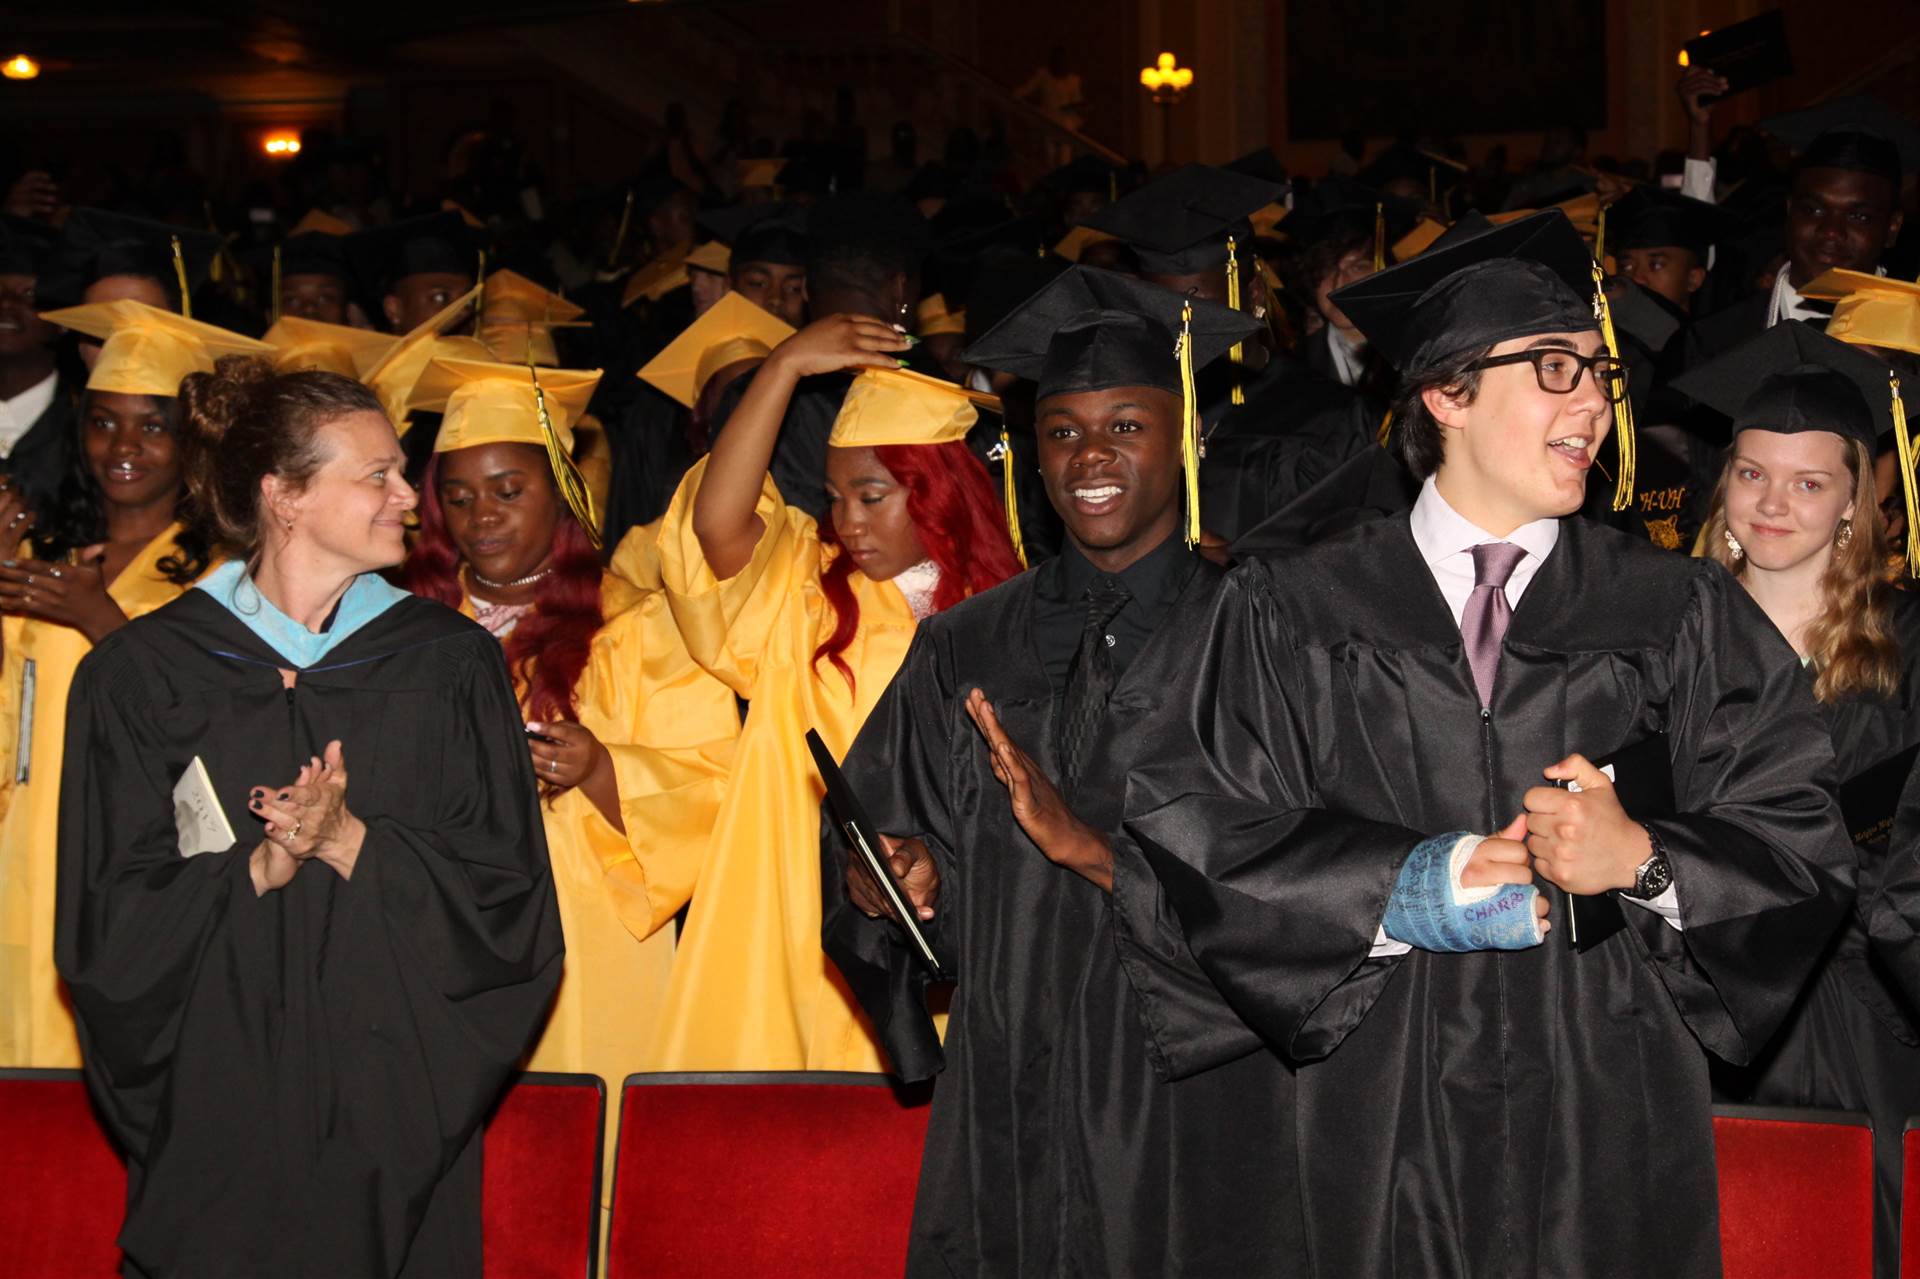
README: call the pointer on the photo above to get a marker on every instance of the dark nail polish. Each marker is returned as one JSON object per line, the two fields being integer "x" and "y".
{"x": 255, "y": 805}
{"x": 283, "y": 795}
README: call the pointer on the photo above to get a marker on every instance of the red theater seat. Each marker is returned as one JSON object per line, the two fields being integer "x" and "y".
{"x": 541, "y": 1201}
{"x": 63, "y": 1189}
{"x": 1796, "y": 1192}
{"x": 795, "y": 1174}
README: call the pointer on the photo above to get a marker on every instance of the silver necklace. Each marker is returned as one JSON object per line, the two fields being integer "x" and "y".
{"x": 492, "y": 585}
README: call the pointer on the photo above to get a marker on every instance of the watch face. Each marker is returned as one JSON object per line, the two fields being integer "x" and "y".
{"x": 1654, "y": 877}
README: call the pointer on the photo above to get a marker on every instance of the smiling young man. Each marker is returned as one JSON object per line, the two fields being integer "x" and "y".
{"x": 1099, "y": 1110}
{"x": 1843, "y": 211}
{"x": 1352, "y": 840}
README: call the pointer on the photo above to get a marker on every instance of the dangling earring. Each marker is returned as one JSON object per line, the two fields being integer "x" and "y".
{"x": 1733, "y": 545}
{"x": 1843, "y": 536}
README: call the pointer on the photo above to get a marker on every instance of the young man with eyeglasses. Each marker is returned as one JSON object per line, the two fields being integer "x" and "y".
{"x": 1367, "y": 843}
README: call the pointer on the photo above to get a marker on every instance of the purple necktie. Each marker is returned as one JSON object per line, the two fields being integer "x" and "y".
{"x": 1484, "y": 624}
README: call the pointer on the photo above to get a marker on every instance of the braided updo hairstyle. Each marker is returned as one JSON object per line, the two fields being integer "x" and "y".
{"x": 253, "y": 422}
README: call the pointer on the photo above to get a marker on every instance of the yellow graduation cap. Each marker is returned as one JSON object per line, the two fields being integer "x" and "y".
{"x": 1418, "y": 240}
{"x": 483, "y": 402}
{"x": 712, "y": 256}
{"x": 511, "y": 296}
{"x": 932, "y": 318}
{"x": 525, "y": 341}
{"x": 899, "y": 406}
{"x": 146, "y": 350}
{"x": 1870, "y": 310}
{"x": 1582, "y": 210}
{"x": 757, "y": 172}
{"x": 1079, "y": 240}
{"x": 320, "y": 222}
{"x": 1268, "y": 218}
{"x": 393, "y": 375}
{"x": 733, "y": 329}
{"x": 300, "y": 343}
{"x": 656, "y": 279}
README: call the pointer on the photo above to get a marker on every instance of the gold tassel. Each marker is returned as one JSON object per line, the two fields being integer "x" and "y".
{"x": 1600, "y": 236}
{"x": 1904, "y": 441}
{"x": 1622, "y": 411}
{"x": 1189, "y": 424}
{"x": 620, "y": 236}
{"x": 1009, "y": 496}
{"x": 276, "y": 284}
{"x": 1238, "y": 354}
{"x": 1380, "y": 236}
{"x": 572, "y": 484}
{"x": 180, "y": 270}
{"x": 480, "y": 302}
{"x": 1386, "y": 428}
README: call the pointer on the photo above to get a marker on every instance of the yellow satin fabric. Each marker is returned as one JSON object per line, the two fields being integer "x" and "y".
{"x": 751, "y": 988}
{"x": 669, "y": 727}
{"x": 36, "y": 1022}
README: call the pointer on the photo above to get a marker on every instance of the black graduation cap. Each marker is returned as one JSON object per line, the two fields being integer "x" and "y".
{"x": 1086, "y": 173}
{"x": 1856, "y": 133}
{"x": 1646, "y": 317}
{"x": 1262, "y": 164}
{"x": 1476, "y": 287}
{"x": 1793, "y": 378}
{"x": 1401, "y": 162}
{"x": 315, "y": 253}
{"x": 1336, "y": 204}
{"x": 1179, "y": 224}
{"x": 438, "y": 244}
{"x": 1091, "y": 329}
{"x": 26, "y": 246}
{"x": 1648, "y": 217}
{"x": 806, "y": 175}
{"x": 96, "y": 244}
{"x": 761, "y": 232}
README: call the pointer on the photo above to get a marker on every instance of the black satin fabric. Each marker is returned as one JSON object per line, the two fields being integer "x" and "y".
{"x": 1533, "y": 1113}
{"x": 1853, "y": 1040}
{"x": 1099, "y": 1110}
{"x": 299, "y": 1080}
{"x": 1293, "y": 430}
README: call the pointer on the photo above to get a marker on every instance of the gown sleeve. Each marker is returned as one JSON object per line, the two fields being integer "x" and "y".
{"x": 1280, "y": 898}
{"x": 898, "y": 768}
{"x": 669, "y": 728}
{"x": 728, "y": 625}
{"x": 1761, "y": 861}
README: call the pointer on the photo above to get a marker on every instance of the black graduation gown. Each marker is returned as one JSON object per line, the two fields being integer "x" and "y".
{"x": 1100, "y": 1111}
{"x": 1295, "y": 429}
{"x": 1535, "y": 1113}
{"x": 1853, "y": 1040}
{"x": 41, "y": 459}
{"x": 299, "y": 1080}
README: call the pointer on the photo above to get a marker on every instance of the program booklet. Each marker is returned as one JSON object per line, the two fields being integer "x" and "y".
{"x": 197, "y": 815}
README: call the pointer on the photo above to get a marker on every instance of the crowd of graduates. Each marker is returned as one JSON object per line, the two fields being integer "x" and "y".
{"x": 703, "y": 458}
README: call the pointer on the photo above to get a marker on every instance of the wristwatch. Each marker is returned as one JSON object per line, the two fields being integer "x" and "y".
{"x": 1655, "y": 874}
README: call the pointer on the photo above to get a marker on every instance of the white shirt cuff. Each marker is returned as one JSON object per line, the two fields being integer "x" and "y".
{"x": 1666, "y": 905}
{"x": 1697, "y": 178}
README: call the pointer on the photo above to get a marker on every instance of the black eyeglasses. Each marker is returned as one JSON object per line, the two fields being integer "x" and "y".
{"x": 1558, "y": 372}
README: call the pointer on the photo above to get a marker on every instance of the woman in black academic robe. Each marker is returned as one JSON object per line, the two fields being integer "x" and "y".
{"x": 296, "y": 1029}
{"x": 1819, "y": 572}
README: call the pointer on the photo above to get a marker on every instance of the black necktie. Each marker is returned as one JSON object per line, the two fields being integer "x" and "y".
{"x": 1090, "y": 680}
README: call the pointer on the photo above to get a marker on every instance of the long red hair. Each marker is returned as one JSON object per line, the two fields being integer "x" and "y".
{"x": 957, "y": 512}
{"x": 548, "y": 649}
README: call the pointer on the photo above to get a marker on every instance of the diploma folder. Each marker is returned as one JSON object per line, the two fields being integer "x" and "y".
{"x": 853, "y": 822}
{"x": 1643, "y": 780}
{"x": 1747, "y": 54}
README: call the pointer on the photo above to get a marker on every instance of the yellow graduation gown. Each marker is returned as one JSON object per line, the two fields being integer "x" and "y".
{"x": 751, "y": 988}
{"x": 36, "y": 1024}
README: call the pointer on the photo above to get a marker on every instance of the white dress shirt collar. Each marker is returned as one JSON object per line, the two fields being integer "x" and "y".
{"x": 1446, "y": 540}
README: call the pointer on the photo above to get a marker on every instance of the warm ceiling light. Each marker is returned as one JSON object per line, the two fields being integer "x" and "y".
{"x": 19, "y": 67}
{"x": 281, "y": 144}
